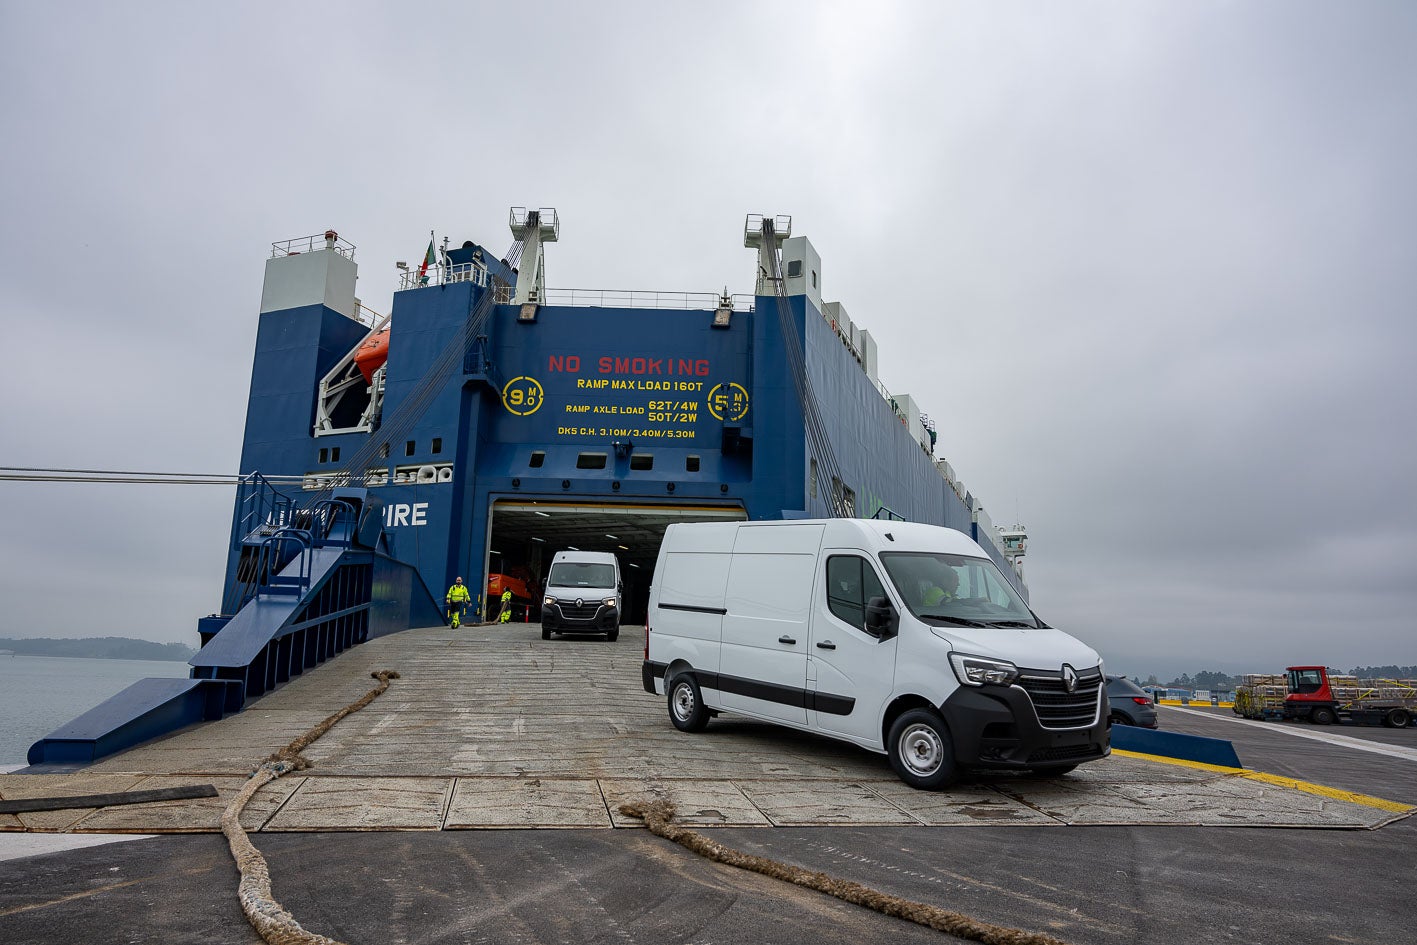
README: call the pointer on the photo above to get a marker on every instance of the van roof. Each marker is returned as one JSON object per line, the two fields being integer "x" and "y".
{"x": 868, "y": 534}
{"x": 602, "y": 556}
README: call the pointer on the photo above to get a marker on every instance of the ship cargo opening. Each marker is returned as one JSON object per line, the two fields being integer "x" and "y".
{"x": 525, "y": 535}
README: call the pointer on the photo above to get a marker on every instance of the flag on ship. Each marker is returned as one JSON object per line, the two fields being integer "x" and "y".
{"x": 428, "y": 260}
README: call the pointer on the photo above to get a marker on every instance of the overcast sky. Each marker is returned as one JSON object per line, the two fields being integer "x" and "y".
{"x": 1150, "y": 266}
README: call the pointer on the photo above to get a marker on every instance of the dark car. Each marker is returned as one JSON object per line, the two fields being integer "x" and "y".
{"x": 1131, "y": 705}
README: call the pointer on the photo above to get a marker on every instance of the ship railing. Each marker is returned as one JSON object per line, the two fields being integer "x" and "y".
{"x": 444, "y": 274}
{"x": 326, "y": 515}
{"x": 313, "y": 243}
{"x": 285, "y": 546}
{"x": 366, "y": 315}
{"x": 632, "y": 298}
{"x": 262, "y": 506}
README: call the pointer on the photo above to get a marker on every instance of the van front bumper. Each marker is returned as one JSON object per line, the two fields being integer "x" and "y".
{"x": 997, "y": 728}
{"x": 578, "y": 620}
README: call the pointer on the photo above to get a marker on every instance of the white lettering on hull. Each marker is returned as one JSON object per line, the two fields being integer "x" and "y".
{"x": 402, "y": 513}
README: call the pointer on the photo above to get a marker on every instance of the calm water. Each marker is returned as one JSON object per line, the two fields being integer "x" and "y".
{"x": 40, "y": 693}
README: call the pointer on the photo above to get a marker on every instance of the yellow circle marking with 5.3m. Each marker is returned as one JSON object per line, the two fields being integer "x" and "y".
{"x": 728, "y": 402}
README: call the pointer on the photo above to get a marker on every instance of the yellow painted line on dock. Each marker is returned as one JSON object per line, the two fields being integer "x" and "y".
{"x": 1352, "y": 797}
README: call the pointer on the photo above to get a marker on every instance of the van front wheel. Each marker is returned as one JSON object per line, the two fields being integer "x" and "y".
{"x": 686, "y": 704}
{"x": 921, "y": 750}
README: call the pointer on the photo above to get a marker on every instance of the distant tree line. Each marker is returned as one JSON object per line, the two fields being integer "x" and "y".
{"x": 1223, "y": 682}
{"x": 1385, "y": 672}
{"x": 1204, "y": 680}
{"x": 113, "y": 648}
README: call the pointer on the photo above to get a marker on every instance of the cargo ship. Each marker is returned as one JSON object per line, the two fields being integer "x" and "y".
{"x": 488, "y": 421}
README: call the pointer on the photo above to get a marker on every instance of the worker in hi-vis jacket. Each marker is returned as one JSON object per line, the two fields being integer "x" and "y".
{"x": 935, "y": 594}
{"x": 458, "y": 599}
{"x": 506, "y": 614}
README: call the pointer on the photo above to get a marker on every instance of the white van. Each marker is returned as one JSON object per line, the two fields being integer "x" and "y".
{"x": 582, "y": 594}
{"x": 901, "y": 638}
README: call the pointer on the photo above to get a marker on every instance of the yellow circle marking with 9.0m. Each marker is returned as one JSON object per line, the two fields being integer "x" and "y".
{"x": 523, "y": 396}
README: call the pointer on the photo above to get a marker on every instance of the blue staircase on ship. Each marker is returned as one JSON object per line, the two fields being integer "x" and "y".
{"x": 311, "y": 582}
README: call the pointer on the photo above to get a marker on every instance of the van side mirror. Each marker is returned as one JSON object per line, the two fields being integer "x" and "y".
{"x": 881, "y": 618}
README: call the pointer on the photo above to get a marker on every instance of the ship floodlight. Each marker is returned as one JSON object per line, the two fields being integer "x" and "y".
{"x": 402, "y": 265}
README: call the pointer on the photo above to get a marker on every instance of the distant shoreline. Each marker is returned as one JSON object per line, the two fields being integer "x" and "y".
{"x": 7, "y": 654}
{"x": 112, "y": 648}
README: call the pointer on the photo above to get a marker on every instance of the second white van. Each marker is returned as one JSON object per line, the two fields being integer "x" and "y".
{"x": 902, "y": 638}
{"x": 583, "y": 593}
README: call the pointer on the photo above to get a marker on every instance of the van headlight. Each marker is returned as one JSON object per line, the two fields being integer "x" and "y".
{"x": 979, "y": 670}
{"x": 609, "y": 602}
{"x": 549, "y": 601}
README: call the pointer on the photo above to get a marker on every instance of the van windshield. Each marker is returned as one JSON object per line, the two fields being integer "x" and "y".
{"x": 956, "y": 590}
{"x": 581, "y": 574}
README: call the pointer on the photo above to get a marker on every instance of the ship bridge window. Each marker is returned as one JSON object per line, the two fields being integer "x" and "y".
{"x": 437, "y": 444}
{"x": 409, "y": 447}
{"x": 334, "y": 454}
{"x": 324, "y": 455}
{"x": 794, "y": 269}
{"x": 537, "y": 458}
{"x": 691, "y": 464}
{"x": 590, "y": 461}
{"x": 642, "y": 461}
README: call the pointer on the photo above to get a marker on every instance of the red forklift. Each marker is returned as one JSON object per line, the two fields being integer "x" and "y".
{"x": 1321, "y": 696}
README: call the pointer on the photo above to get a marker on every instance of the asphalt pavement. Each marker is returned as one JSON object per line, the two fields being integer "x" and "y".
{"x": 1161, "y": 884}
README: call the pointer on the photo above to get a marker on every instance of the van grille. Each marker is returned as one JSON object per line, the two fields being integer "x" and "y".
{"x": 585, "y": 611}
{"x": 1054, "y": 705}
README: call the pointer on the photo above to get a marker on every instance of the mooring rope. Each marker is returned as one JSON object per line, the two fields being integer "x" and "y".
{"x": 658, "y": 816}
{"x": 267, "y": 916}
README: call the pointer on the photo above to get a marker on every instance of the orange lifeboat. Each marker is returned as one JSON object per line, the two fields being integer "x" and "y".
{"x": 372, "y": 353}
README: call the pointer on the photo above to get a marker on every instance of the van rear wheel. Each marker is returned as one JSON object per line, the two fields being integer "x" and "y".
{"x": 686, "y": 704}
{"x": 921, "y": 750}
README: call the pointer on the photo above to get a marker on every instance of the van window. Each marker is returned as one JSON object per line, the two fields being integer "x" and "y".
{"x": 957, "y": 589}
{"x": 581, "y": 574}
{"x": 851, "y": 582}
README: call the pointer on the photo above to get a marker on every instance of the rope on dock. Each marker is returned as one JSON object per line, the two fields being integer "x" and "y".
{"x": 658, "y": 817}
{"x": 267, "y": 916}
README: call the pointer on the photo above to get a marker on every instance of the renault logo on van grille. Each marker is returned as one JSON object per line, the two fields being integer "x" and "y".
{"x": 1063, "y": 698}
{"x": 581, "y": 603}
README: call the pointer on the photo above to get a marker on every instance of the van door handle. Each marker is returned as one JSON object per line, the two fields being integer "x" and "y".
{"x": 826, "y": 645}
{"x": 786, "y": 639}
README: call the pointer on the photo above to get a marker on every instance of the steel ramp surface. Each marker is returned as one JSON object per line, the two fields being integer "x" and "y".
{"x": 490, "y": 727}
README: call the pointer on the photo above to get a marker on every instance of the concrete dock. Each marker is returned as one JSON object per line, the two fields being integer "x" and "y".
{"x": 492, "y": 727}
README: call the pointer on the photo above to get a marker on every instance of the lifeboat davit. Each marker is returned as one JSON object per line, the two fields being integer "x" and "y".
{"x": 372, "y": 353}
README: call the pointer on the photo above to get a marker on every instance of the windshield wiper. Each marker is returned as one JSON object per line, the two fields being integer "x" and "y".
{"x": 958, "y": 621}
{"x": 1013, "y": 623}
